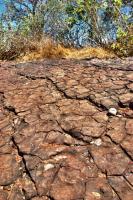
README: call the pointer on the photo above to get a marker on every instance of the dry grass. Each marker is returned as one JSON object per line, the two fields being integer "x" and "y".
{"x": 89, "y": 52}
{"x": 48, "y": 49}
{"x": 22, "y": 49}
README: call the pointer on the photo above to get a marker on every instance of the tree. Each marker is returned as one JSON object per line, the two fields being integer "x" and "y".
{"x": 105, "y": 19}
{"x": 25, "y": 15}
{"x": 71, "y": 22}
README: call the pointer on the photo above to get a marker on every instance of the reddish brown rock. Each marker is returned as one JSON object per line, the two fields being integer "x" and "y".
{"x": 99, "y": 188}
{"x": 10, "y": 167}
{"x": 128, "y": 174}
{"x": 116, "y": 129}
{"x": 121, "y": 187}
{"x": 3, "y": 195}
{"x": 67, "y": 191}
{"x": 127, "y": 145}
{"x": 107, "y": 156}
{"x": 58, "y": 139}
{"x": 129, "y": 126}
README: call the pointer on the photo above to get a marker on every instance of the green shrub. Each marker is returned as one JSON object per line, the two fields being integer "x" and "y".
{"x": 124, "y": 44}
{"x": 13, "y": 45}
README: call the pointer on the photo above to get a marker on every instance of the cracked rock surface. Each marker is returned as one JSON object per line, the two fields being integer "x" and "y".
{"x": 58, "y": 140}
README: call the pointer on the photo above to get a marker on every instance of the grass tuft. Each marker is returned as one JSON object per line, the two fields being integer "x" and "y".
{"x": 46, "y": 48}
{"x": 49, "y": 49}
{"x": 88, "y": 52}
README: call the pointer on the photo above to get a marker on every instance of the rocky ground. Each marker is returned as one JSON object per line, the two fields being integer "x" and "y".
{"x": 66, "y": 130}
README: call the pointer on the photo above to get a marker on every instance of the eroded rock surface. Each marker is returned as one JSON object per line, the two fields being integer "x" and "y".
{"x": 58, "y": 138}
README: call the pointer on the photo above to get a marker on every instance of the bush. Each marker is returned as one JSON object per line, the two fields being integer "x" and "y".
{"x": 13, "y": 45}
{"x": 124, "y": 44}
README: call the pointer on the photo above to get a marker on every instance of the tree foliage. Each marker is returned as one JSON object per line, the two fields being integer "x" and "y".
{"x": 72, "y": 22}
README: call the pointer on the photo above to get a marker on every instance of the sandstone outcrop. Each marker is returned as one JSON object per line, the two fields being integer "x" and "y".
{"x": 58, "y": 138}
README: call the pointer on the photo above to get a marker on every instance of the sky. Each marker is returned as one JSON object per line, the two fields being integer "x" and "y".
{"x": 1, "y": 6}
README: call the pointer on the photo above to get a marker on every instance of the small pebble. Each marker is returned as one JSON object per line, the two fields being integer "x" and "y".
{"x": 48, "y": 166}
{"x": 97, "y": 142}
{"x": 112, "y": 111}
{"x": 97, "y": 195}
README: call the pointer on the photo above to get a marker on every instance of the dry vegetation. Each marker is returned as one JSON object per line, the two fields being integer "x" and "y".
{"x": 89, "y": 52}
{"x": 25, "y": 49}
{"x": 47, "y": 48}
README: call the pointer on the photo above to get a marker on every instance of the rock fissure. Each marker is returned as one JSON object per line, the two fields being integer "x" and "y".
{"x": 24, "y": 162}
{"x": 115, "y": 191}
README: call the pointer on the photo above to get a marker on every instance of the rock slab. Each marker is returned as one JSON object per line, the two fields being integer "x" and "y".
{"x": 58, "y": 138}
